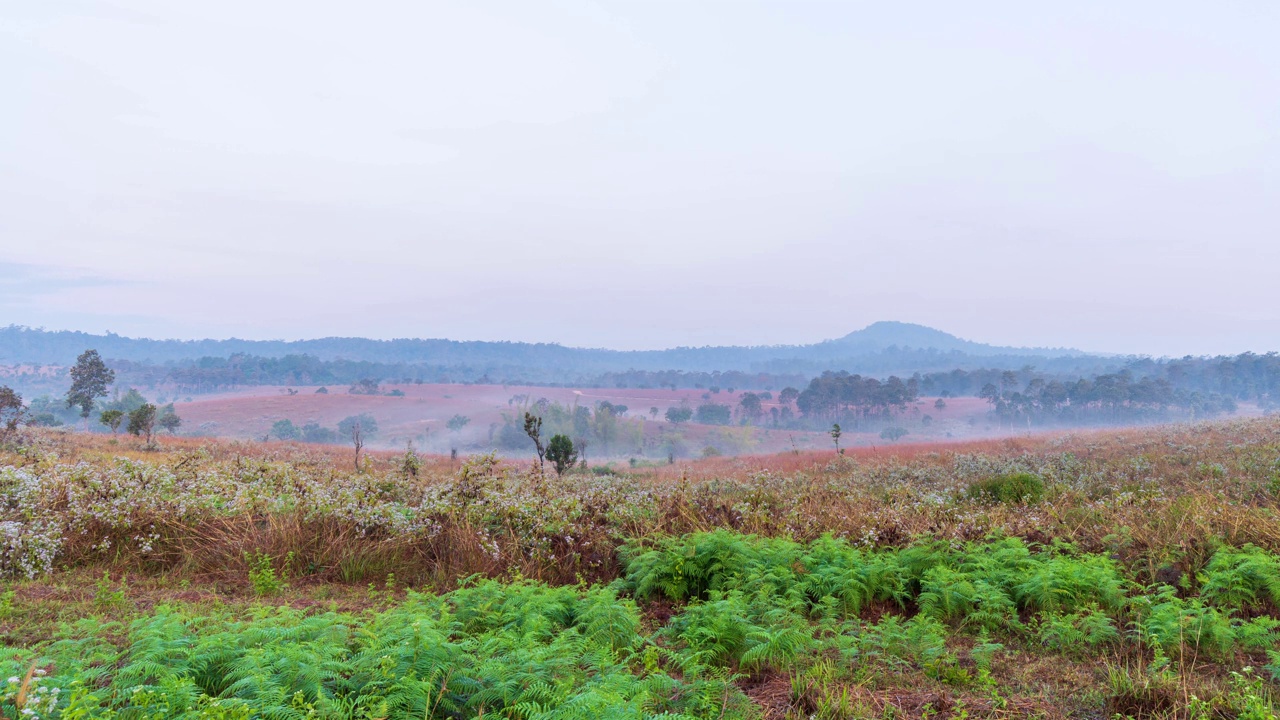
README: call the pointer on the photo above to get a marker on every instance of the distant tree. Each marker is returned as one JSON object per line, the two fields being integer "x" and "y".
{"x": 126, "y": 403}
{"x": 455, "y": 425}
{"x": 751, "y": 406}
{"x": 90, "y": 377}
{"x": 940, "y": 404}
{"x": 788, "y": 395}
{"x": 43, "y": 412}
{"x": 894, "y": 434}
{"x": 1008, "y": 380}
{"x": 533, "y": 428}
{"x": 835, "y": 434}
{"x": 112, "y": 419}
{"x": 561, "y": 453}
{"x": 358, "y": 428}
{"x": 364, "y": 386}
{"x": 313, "y": 433}
{"x": 142, "y": 422}
{"x": 11, "y": 412}
{"x": 653, "y": 413}
{"x": 713, "y": 414}
{"x": 990, "y": 393}
{"x": 604, "y": 425}
{"x": 322, "y": 390}
{"x": 169, "y": 420}
{"x": 284, "y": 430}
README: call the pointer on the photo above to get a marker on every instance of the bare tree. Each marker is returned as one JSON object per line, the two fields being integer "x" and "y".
{"x": 358, "y": 428}
{"x": 533, "y": 428}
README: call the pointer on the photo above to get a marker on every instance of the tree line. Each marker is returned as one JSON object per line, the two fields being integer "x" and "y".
{"x": 1114, "y": 398}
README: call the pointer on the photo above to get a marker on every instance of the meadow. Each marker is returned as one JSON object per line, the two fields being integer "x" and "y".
{"x": 1111, "y": 574}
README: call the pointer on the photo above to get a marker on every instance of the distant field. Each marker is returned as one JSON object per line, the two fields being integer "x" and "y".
{"x": 420, "y": 415}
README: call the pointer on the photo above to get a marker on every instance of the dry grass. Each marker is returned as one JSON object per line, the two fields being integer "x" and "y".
{"x": 1160, "y": 499}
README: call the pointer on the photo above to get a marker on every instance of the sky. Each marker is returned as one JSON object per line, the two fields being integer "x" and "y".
{"x": 646, "y": 174}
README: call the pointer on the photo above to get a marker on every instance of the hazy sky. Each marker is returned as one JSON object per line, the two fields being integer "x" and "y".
{"x": 1093, "y": 174}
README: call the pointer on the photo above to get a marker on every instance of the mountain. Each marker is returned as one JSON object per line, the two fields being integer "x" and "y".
{"x": 886, "y": 334}
{"x": 881, "y": 348}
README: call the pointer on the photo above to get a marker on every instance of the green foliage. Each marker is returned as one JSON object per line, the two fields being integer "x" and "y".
{"x": 1241, "y": 578}
{"x": 521, "y": 651}
{"x": 895, "y": 433}
{"x": 142, "y": 422}
{"x": 106, "y": 596}
{"x": 561, "y": 453}
{"x": 678, "y": 414}
{"x": 112, "y": 419}
{"x": 713, "y": 414}
{"x": 263, "y": 576}
{"x": 1012, "y": 488}
{"x": 169, "y": 419}
{"x": 1083, "y": 630}
{"x": 12, "y": 411}
{"x": 284, "y": 430}
{"x": 410, "y": 463}
{"x": 90, "y": 377}
{"x": 362, "y": 426}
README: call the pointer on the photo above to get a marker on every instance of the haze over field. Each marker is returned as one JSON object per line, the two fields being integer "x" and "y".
{"x": 644, "y": 175}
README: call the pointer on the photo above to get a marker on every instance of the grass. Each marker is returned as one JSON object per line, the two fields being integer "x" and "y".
{"x": 1134, "y": 574}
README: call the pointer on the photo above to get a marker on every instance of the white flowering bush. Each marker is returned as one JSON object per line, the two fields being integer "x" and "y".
{"x": 1135, "y": 496}
{"x": 28, "y": 549}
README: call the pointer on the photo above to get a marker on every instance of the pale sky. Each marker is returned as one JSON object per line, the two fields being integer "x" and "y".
{"x": 648, "y": 174}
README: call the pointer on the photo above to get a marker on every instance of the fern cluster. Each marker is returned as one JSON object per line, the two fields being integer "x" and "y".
{"x": 522, "y": 651}
{"x": 749, "y": 593}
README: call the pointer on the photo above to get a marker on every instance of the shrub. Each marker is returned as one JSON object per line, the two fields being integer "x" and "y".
{"x": 1011, "y": 488}
{"x": 263, "y": 576}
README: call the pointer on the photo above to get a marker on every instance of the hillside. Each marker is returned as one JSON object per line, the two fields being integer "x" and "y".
{"x": 881, "y": 347}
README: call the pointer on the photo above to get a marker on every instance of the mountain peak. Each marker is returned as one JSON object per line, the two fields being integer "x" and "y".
{"x": 882, "y": 335}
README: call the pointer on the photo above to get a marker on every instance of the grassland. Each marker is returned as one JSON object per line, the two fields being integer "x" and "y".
{"x": 1131, "y": 574}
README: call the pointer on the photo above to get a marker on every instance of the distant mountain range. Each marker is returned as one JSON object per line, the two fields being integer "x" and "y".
{"x": 881, "y": 348}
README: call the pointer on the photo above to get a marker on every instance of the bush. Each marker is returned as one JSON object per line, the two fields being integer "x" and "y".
{"x": 713, "y": 414}
{"x": 263, "y": 576}
{"x": 1010, "y": 488}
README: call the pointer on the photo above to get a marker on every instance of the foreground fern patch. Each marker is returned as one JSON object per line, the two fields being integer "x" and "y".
{"x": 522, "y": 651}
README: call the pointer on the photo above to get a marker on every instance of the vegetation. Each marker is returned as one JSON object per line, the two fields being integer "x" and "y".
{"x": 12, "y": 412}
{"x": 90, "y": 378}
{"x": 112, "y": 419}
{"x": 561, "y": 453}
{"x": 358, "y": 429}
{"x": 1133, "y": 574}
{"x": 142, "y": 422}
